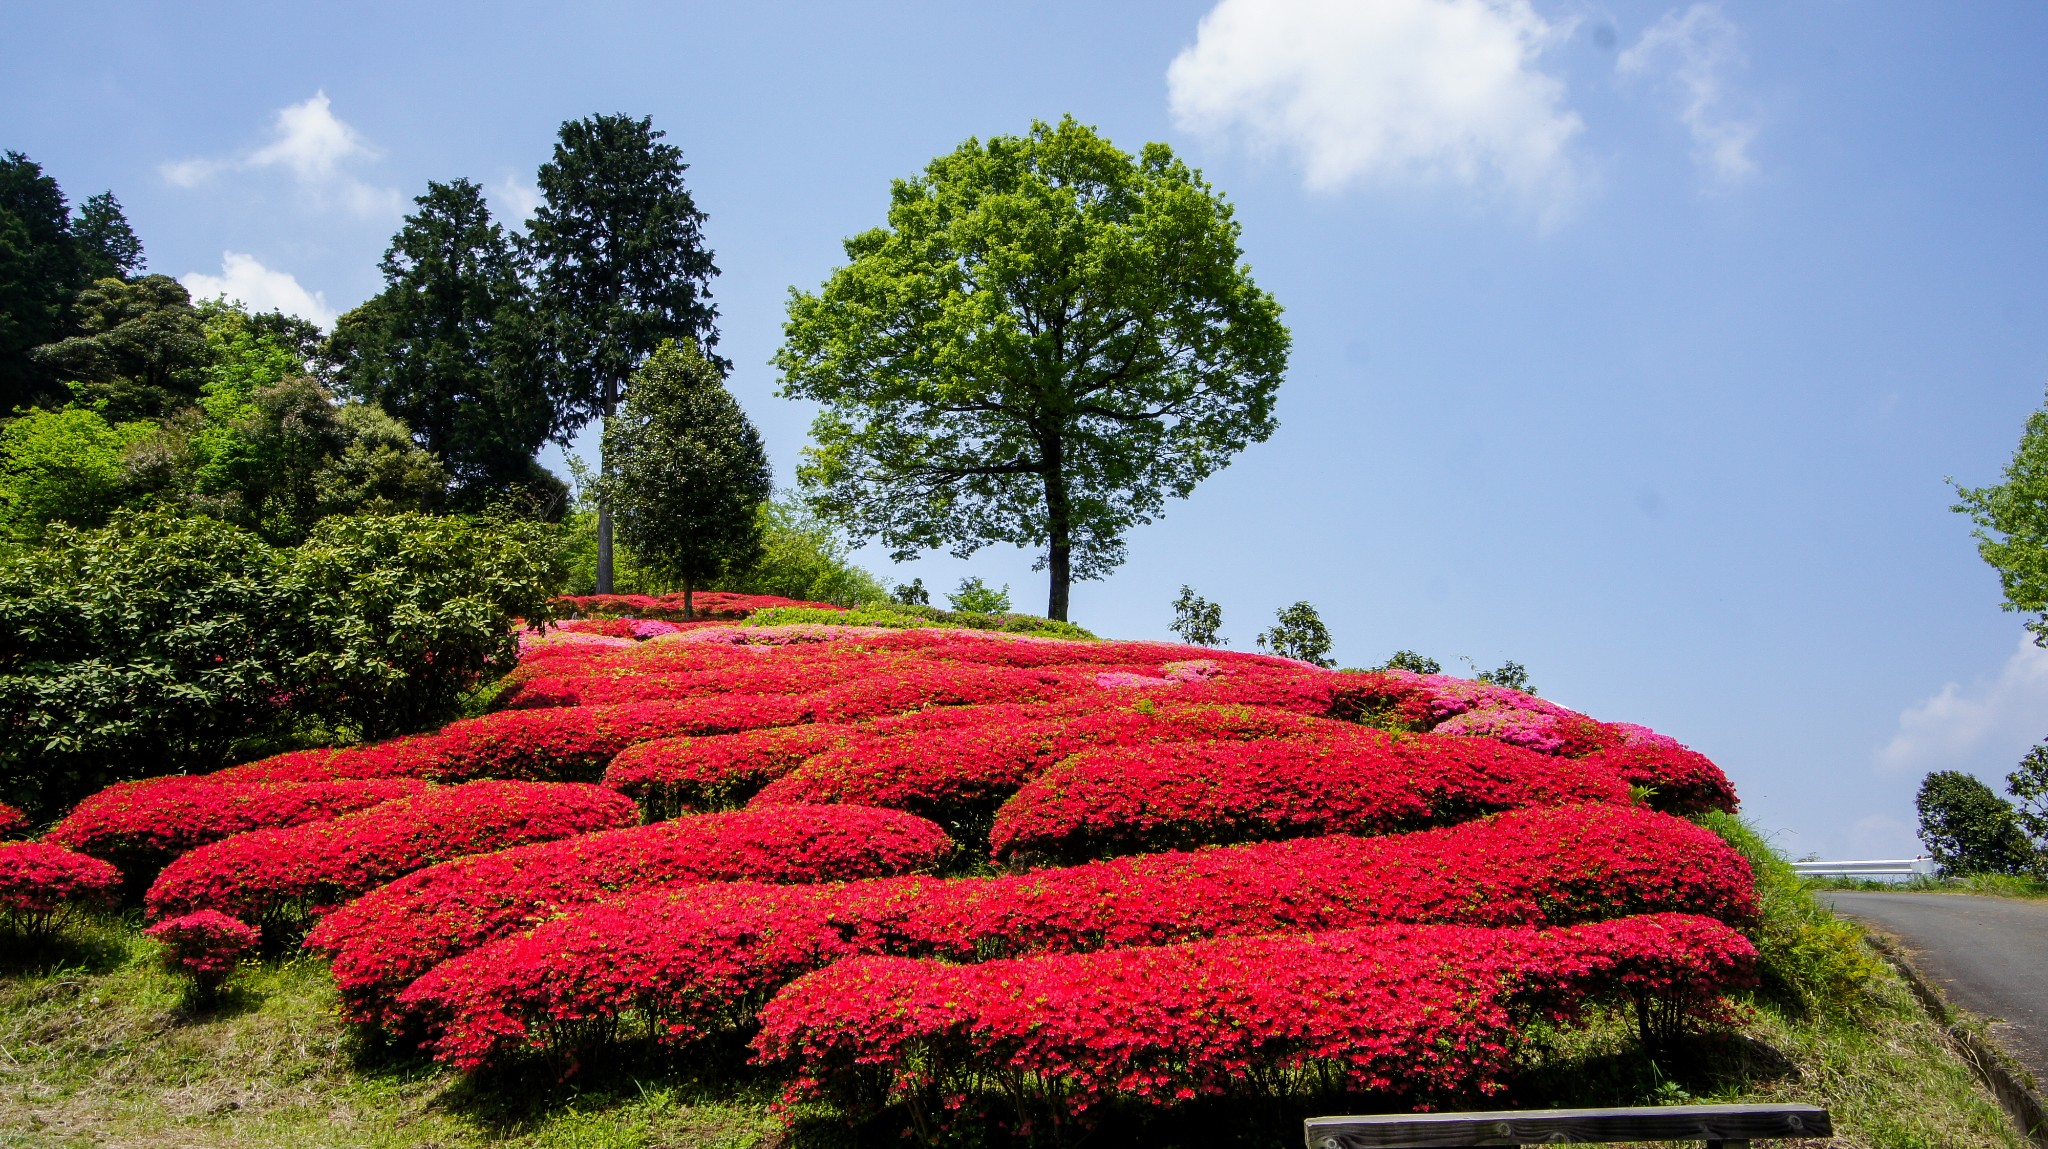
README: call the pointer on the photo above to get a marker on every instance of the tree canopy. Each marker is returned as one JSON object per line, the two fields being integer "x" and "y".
{"x": 620, "y": 265}
{"x": 47, "y": 256}
{"x": 449, "y": 347}
{"x": 1048, "y": 339}
{"x": 2012, "y": 525}
{"x": 687, "y": 472}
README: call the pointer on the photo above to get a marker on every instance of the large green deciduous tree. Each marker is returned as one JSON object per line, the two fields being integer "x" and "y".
{"x": 620, "y": 265}
{"x": 1049, "y": 338}
{"x": 2012, "y": 525}
{"x": 686, "y": 472}
{"x": 448, "y": 347}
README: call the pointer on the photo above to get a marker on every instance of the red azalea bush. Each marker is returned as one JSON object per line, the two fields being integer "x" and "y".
{"x": 706, "y": 604}
{"x": 40, "y": 884}
{"x": 204, "y": 946}
{"x": 1116, "y": 800}
{"x": 392, "y": 935}
{"x": 13, "y": 823}
{"x": 690, "y": 960}
{"x": 1421, "y": 1012}
{"x": 142, "y": 826}
{"x": 274, "y": 873}
{"x": 719, "y": 771}
{"x": 1679, "y": 780}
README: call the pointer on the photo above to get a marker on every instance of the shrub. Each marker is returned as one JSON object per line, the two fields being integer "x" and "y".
{"x": 13, "y": 823}
{"x": 1124, "y": 800}
{"x": 394, "y": 934}
{"x": 976, "y": 597}
{"x": 205, "y": 946}
{"x": 279, "y": 874}
{"x": 690, "y": 960}
{"x": 1807, "y": 958}
{"x": 141, "y": 826}
{"x": 1968, "y": 829}
{"x": 671, "y": 775}
{"x": 1298, "y": 633}
{"x": 41, "y": 884}
{"x": 1425, "y": 1012}
{"x": 707, "y": 604}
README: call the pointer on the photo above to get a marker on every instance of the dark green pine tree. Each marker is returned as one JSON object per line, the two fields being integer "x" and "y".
{"x": 448, "y": 347}
{"x": 107, "y": 247}
{"x": 40, "y": 272}
{"x": 686, "y": 472}
{"x": 620, "y": 266}
{"x": 140, "y": 346}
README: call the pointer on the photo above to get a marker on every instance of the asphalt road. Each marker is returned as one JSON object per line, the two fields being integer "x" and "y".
{"x": 1989, "y": 955}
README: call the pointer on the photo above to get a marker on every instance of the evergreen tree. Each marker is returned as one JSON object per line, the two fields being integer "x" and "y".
{"x": 620, "y": 266}
{"x": 448, "y": 346}
{"x": 686, "y": 472}
{"x": 40, "y": 272}
{"x": 107, "y": 247}
{"x": 1967, "y": 829}
{"x": 141, "y": 347}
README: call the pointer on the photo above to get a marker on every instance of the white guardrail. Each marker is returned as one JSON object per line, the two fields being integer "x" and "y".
{"x": 1874, "y": 868}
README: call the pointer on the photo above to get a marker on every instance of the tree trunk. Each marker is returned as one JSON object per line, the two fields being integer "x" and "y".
{"x": 1059, "y": 528}
{"x": 604, "y": 513}
{"x": 689, "y": 588}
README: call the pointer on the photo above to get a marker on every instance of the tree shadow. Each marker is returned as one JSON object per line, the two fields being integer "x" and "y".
{"x": 81, "y": 945}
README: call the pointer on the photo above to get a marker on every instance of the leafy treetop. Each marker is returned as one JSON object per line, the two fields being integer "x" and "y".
{"x": 2012, "y": 525}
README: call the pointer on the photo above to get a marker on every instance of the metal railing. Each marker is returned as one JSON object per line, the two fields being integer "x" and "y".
{"x": 1871, "y": 868}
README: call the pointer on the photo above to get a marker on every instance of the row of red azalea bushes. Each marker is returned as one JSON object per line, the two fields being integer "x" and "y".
{"x": 691, "y": 960}
{"x": 1417, "y": 1012}
{"x": 709, "y": 604}
{"x": 142, "y": 826}
{"x": 384, "y": 940}
{"x": 283, "y": 873}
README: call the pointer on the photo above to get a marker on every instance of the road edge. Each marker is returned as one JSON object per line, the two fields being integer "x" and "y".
{"x": 2008, "y": 1081}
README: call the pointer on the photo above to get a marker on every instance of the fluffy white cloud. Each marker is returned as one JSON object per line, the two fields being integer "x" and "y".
{"x": 1990, "y": 724}
{"x": 244, "y": 279}
{"x": 316, "y": 147}
{"x": 1418, "y": 91}
{"x": 514, "y": 200}
{"x": 1695, "y": 49}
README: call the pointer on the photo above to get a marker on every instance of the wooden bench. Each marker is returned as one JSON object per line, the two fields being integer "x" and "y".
{"x": 1720, "y": 1126}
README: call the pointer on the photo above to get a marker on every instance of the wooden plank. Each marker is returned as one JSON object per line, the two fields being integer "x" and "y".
{"x": 1541, "y": 1126}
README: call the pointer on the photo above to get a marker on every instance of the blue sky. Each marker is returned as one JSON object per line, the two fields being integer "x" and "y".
{"x": 1632, "y": 341}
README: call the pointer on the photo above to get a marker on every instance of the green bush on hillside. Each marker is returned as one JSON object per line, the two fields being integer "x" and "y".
{"x": 894, "y": 614}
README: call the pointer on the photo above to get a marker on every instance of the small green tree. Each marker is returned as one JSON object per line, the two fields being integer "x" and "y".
{"x": 803, "y": 558}
{"x": 977, "y": 597}
{"x": 1510, "y": 674}
{"x": 2012, "y": 525}
{"x": 2028, "y": 785}
{"x": 1968, "y": 829}
{"x": 912, "y": 593}
{"x": 1414, "y": 663}
{"x": 1049, "y": 339}
{"x": 686, "y": 471}
{"x": 1298, "y": 632}
{"x": 1197, "y": 620}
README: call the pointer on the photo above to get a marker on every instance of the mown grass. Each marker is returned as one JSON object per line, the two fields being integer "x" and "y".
{"x": 99, "y": 1047}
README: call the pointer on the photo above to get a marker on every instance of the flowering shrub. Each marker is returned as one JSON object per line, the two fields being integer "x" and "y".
{"x": 13, "y": 823}
{"x": 40, "y": 884}
{"x": 142, "y": 826}
{"x": 1680, "y": 780}
{"x": 690, "y": 960}
{"x": 384, "y": 940}
{"x": 205, "y": 945}
{"x": 1425, "y": 1012}
{"x": 1121, "y": 800}
{"x": 278, "y": 873}
{"x": 709, "y": 604}
{"x": 670, "y": 775}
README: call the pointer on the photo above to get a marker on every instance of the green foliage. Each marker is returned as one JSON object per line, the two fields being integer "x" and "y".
{"x": 404, "y": 614}
{"x": 1808, "y": 958}
{"x": 1049, "y": 338}
{"x": 901, "y": 615}
{"x": 802, "y": 557}
{"x": 1197, "y": 620}
{"x": 1968, "y": 829}
{"x": 41, "y": 270}
{"x": 1416, "y": 663}
{"x": 974, "y": 596}
{"x": 911, "y": 593}
{"x": 167, "y": 643}
{"x": 1298, "y": 632}
{"x": 2028, "y": 784}
{"x": 1510, "y": 674}
{"x": 141, "y": 347}
{"x": 107, "y": 247}
{"x": 64, "y": 466}
{"x": 450, "y": 348}
{"x": 2012, "y": 525}
{"x": 687, "y": 474}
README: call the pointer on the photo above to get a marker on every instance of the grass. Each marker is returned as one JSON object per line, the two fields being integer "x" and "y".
{"x": 99, "y": 1047}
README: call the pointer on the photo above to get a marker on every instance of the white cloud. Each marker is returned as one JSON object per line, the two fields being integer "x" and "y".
{"x": 1994, "y": 721}
{"x": 1695, "y": 49}
{"x": 317, "y": 148}
{"x": 514, "y": 200}
{"x": 244, "y": 279}
{"x": 1415, "y": 91}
